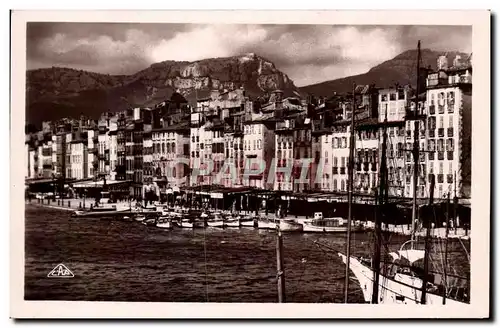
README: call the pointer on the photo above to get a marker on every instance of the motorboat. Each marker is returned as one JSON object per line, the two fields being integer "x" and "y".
{"x": 248, "y": 222}
{"x": 164, "y": 222}
{"x": 266, "y": 223}
{"x": 150, "y": 220}
{"x": 139, "y": 218}
{"x": 290, "y": 225}
{"x": 186, "y": 223}
{"x": 331, "y": 225}
{"x": 101, "y": 212}
{"x": 216, "y": 221}
{"x": 232, "y": 222}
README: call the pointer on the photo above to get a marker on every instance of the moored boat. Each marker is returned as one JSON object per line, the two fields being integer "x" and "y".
{"x": 331, "y": 225}
{"x": 248, "y": 222}
{"x": 290, "y": 225}
{"x": 215, "y": 221}
{"x": 101, "y": 212}
{"x": 265, "y": 223}
{"x": 164, "y": 223}
{"x": 232, "y": 222}
{"x": 139, "y": 218}
{"x": 186, "y": 223}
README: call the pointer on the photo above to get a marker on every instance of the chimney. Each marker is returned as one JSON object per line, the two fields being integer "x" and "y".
{"x": 442, "y": 63}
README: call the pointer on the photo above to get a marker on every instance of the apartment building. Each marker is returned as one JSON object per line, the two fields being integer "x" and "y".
{"x": 449, "y": 92}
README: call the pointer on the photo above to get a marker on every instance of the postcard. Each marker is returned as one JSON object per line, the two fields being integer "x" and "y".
{"x": 250, "y": 164}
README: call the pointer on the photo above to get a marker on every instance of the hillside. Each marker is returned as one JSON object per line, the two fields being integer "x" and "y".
{"x": 401, "y": 69}
{"x": 55, "y": 92}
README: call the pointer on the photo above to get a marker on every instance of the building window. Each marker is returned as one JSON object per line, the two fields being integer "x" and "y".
{"x": 451, "y": 101}
{"x": 392, "y": 96}
{"x": 401, "y": 94}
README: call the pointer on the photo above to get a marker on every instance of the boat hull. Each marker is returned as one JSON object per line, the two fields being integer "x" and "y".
{"x": 187, "y": 225}
{"x": 140, "y": 218}
{"x": 309, "y": 227}
{"x": 291, "y": 226}
{"x": 164, "y": 225}
{"x": 100, "y": 214}
{"x": 265, "y": 224}
{"x": 216, "y": 224}
{"x": 233, "y": 224}
{"x": 247, "y": 223}
{"x": 403, "y": 289}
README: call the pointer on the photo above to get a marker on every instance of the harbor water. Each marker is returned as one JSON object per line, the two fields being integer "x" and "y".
{"x": 114, "y": 260}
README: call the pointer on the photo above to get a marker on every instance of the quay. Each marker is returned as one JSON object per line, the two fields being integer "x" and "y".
{"x": 74, "y": 204}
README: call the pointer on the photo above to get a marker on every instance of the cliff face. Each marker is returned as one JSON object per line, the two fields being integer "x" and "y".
{"x": 57, "y": 92}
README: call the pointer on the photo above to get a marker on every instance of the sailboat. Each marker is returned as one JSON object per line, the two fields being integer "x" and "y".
{"x": 394, "y": 282}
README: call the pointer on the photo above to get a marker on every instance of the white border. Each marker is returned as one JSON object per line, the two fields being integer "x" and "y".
{"x": 480, "y": 265}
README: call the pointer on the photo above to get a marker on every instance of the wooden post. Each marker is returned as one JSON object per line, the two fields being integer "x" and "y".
{"x": 445, "y": 269}
{"x": 280, "y": 267}
{"x": 423, "y": 297}
{"x": 376, "y": 253}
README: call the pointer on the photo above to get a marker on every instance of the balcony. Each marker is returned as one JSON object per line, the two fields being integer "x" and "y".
{"x": 450, "y": 132}
{"x": 441, "y": 132}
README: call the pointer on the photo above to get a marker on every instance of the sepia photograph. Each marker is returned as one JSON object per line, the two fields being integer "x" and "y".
{"x": 222, "y": 162}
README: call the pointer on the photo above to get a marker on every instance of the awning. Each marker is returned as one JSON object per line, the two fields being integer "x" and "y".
{"x": 97, "y": 184}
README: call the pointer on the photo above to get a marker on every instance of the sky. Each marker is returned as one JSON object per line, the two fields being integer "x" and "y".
{"x": 306, "y": 53}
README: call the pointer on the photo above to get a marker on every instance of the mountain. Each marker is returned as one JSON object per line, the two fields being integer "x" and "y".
{"x": 53, "y": 93}
{"x": 402, "y": 69}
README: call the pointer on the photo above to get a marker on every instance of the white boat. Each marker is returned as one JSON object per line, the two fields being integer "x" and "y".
{"x": 186, "y": 224}
{"x": 290, "y": 225}
{"x": 265, "y": 223}
{"x": 232, "y": 222}
{"x": 164, "y": 223}
{"x": 215, "y": 223}
{"x": 400, "y": 286}
{"x": 247, "y": 222}
{"x": 140, "y": 218}
{"x": 331, "y": 225}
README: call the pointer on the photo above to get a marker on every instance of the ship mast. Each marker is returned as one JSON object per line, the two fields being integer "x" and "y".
{"x": 382, "y": 199}
{"x": 350, "y": 188}
{"x": 415, "y": 153}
